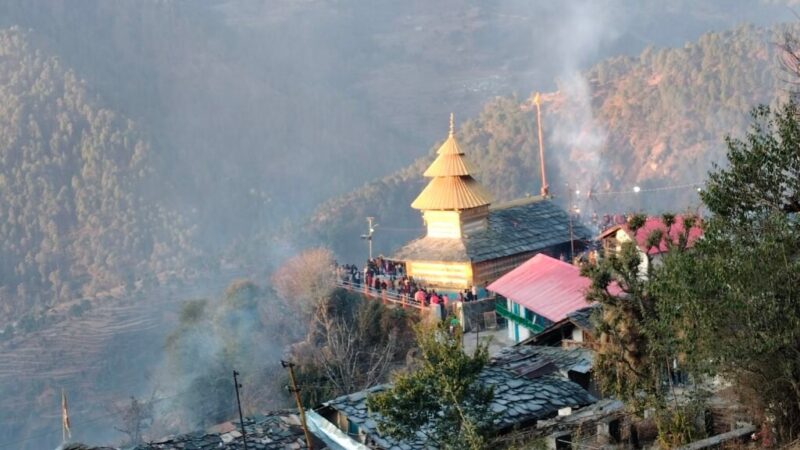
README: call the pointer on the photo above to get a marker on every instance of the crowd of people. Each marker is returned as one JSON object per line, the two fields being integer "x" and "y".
{"x": 381, "y": 275}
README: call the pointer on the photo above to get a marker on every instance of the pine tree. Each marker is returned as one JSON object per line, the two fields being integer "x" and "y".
{"x": 441, "y": 398}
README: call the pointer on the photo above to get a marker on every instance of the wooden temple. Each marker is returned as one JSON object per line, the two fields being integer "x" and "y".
{"x": 472, "y": 242}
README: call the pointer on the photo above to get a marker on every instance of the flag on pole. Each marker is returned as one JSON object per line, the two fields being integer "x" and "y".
{"x": 65, "y": 431}
{"x": 536, "y": 99}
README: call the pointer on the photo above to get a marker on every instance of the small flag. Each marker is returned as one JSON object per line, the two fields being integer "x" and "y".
{"x": 536, "y": 99}
{"x": 65, "y": 431}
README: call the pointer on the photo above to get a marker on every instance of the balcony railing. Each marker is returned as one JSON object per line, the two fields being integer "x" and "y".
{"x": 501, "y": 309}
{"x": 387, "y": 297}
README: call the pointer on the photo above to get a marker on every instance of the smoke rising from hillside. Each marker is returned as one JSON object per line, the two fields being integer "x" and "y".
{"x": 257, "y": 111}
{"x": 575, "y": 139}
{"x": 240, "y": 331}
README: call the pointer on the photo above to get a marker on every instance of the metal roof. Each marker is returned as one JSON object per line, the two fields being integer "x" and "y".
{"x": 452, "y": 186}
{"x": 450, "y": 145}
{"x": 452, "y": 193}
{"x": 449, "y": 166}
{"x": 547, "y": 286}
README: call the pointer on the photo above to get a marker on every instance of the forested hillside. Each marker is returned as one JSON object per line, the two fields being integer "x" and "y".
{"x": 259, "y": 111}
{"x": 655, "y": 120}
{"x": 256, "y": 112}
{"x": 666, "y": 113}
{"x": 76, "y": 214}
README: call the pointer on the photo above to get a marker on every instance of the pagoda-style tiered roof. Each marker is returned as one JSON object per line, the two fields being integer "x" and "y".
{"x": 471, "y": 242}
{"x": 452, "y": 193}
{"x": 452, "y": 186}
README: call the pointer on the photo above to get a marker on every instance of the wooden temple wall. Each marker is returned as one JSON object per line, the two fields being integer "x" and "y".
{"x": 442, "y": 224}
{"x": 452, "y": 275}
{"x": 487, "y": 271}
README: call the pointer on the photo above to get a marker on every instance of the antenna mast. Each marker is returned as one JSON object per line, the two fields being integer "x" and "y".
{"x": 545, "y": 191}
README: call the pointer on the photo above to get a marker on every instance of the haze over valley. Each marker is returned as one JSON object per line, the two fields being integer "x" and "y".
{"x": 151, "y": 153}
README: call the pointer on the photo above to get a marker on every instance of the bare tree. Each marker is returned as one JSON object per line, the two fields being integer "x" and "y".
{"x": 789, "y": 57}
{"x": 135, "y": 418}
{"x": 351, "y": 357}
{"x": 306, "y": 280}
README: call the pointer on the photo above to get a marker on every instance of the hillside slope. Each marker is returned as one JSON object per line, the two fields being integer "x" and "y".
{"x": 78, "y": 212}
{"x": 258, "y": 111}
{"x": 655, "y": 120}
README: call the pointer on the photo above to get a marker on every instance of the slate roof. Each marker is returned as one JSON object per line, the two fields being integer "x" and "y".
{"x": 274, "y": 431}
{"x": 519, "y": 397}
{"x": 354, "y": 406}
{"x": 523, "y": 226}
{"x": 583, "y": 317}
{"x": 532, "y": 361}
{"x": 433, "y": 249}
{"x": 520, "y": 401}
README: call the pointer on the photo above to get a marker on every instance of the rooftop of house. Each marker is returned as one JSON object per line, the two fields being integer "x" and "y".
{"x": 652, "y": 224}
{"x": 581, "y": 318}
{"x": 536, "y": 361}
{"x": 272, "y": 431}
{"x": 522, "y": 226}
{"x": 547, "y": 286}
{"x": 530, "y": 384}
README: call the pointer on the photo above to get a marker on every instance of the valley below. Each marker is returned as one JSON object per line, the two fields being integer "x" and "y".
{"x": 112, "y": 351}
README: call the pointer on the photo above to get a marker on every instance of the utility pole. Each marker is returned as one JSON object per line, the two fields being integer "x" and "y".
{"x": 571, "y": 234}
{"x": 545, "y": 191}
{"x": 368, "y": 236}
{"x": 239, "y": 402}
{"x": 296, "y": 391}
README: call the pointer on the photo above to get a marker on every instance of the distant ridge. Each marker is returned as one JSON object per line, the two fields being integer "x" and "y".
{"x": 658, "y": 119}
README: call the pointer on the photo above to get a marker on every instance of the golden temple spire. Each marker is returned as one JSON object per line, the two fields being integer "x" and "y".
{"x": 452, "y": 186}
{"x": 452, "y": 124}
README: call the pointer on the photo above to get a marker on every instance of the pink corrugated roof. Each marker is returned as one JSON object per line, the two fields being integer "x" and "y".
{"x": 656, "y": 223}
{"x": 546, "y": 286}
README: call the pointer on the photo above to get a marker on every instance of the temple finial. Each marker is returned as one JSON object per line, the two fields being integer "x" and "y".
{"x": 452, "y": 124}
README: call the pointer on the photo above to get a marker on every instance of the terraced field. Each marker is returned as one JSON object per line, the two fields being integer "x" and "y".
{"x": 106, "y": 355}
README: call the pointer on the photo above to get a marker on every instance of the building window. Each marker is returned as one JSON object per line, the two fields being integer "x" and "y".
{"x": 352, "y": 428}
{"x": 530, "y": 315}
